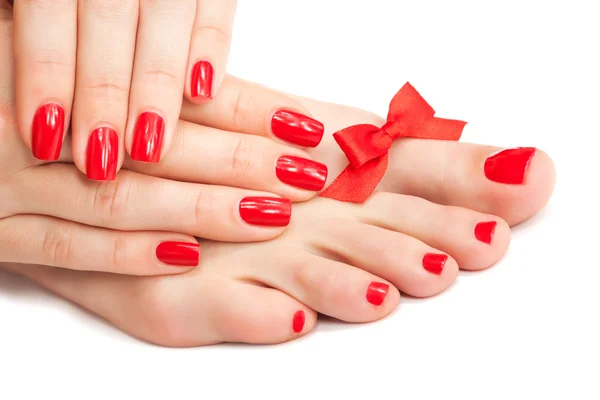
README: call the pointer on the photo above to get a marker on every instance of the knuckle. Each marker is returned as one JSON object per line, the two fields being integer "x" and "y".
{"x": 211, "y": 32}
{"x": 241, "y": 108}
{"x": 111, "y": 199}
{"x": 56, "y": 245}
{"x": 119, "y": 259}
{"x": 162, "y": 73}
{"x": 107, "y": 87}
{"x": 203, "y": 207}
{"x": 50, "y": 6}
{"x": 110, "y": 9}
{"x": 242, "y": 157}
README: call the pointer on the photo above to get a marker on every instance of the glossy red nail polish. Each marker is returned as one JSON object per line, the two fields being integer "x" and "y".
{"x": 509, "y": 166}
{"x": 202, "y": 80}
{"x": 147, "y": 137}
{"x": 298, "y": 321}
{"x": 47, "y": 129}
{"x": 179, "y": 254}
{"x": 102, "y": 155}
{"x": 266, "y": 211}
{"x": 376, "y": 293}
{"x": 297, "y": 128}
{"x": 434, "y": 263}
{"x": 484, "y": 231}
{"x": 302, "y": 173}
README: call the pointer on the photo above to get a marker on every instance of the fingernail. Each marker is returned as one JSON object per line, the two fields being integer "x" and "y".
{"x": 179, "y": 254}
{"x": 297, "y": 128}
{"x": 102, "y": 155}
{"x": 484, "y": 231}
{"x": 302, "y": 173}
{"x": 376, "y": 293}
{"x": 147, "y": 137}
{"x": 202, "y": 80}
{"x": 298, "y": 321}
{"x": 47, "y": 131}
{"x": 266, "y": 211}
{"x": 434, "y": 263}
{"x": 509, "y": 166}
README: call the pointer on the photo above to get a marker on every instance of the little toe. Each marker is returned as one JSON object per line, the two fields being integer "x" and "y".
{"x": 511, "y": 183}
{"x": 329, "y": 287}
{"x": 412, "y": 266}
{"x": 475, "y": 240}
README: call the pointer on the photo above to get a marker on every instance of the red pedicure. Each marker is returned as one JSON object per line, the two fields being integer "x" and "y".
{"x": 484, "y": 231}
{"x": 297, "y": 128}
{"x": 509, "y": 166}
{"x": 147, "y": 137}
{"x": 434, "y": 263}
{"x": 376, "y": 293}
{"x": 302, "y": 173}
{"x": 202, "y": 80}
{"x": 102, "y": 155}
{"x": 47, "y": 131}
{"x": 179, "y": 254}
{"x": 298, "y": 321}
{"x": 266, "y": 211}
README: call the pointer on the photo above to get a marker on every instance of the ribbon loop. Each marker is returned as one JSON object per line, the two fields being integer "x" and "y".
{"x": 366, "y": 146}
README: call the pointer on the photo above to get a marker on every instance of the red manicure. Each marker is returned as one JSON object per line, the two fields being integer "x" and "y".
{"x": 302, "y": 173}
{"x": 297, "y": 128}
{"x": 484, "y": 231}
{"x": 179, "y": 254}
{"x": 434, "y": 263}
{"x": 376, "y": 293}
{"x": 298, "y": 321}
{"x": 102, "y": 155}
{"x": 266, "y": 211}
{"x": 509, "y": 166}
{"x": 202, "y": 80}
{"x": 47, "y": 131}
{"x": 147, "y": 138}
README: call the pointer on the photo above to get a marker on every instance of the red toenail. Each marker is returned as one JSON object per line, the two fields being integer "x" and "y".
{"x": 376, "y": 293}
{"x": 298, "y": 321}
{"x": 434, "y": 263}
{"x": 509, "y": 166}
{"x": 484, "y": 231}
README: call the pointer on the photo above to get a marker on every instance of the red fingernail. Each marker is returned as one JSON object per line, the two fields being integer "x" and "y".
{"x": 202, "y": 80}
{"x": 297, "y": 128}
{"x": 179, "y": 254}
{"x": 484, "y": 231}
{"x": 266, "y": 211}
{"x": 302, "y": 173}
{"x": 376, "y": 293}
{"x": 509, "y": 166}
{"x": 147, "y": 138}
{"x": 47, "y": 131}
{"x": 434, "y": 263}
{"x": 298, "y": 321}
{"x": 102, "y": 155}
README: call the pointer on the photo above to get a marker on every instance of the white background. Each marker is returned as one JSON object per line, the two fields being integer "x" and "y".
{"x": 522, "y": 73}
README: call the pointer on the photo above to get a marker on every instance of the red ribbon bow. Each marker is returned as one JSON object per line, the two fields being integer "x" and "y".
{"x": 366, "y": 146}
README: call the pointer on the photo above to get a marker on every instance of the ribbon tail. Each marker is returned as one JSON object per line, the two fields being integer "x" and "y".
{"x": 355, "y": 185}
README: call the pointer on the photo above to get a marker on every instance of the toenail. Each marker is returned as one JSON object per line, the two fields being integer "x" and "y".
{"x": 298, "y": 321}
{"x": 376, "y": 293}
{"x": 434, "y": 263}
{"x": 509, "y": 166}
{"x": 484, "y": 231}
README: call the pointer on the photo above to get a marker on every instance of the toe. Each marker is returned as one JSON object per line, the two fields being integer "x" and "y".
{"x": 330, "y": 287}
{"x": 475, "y": 240}
{"x": 511, "y": 183}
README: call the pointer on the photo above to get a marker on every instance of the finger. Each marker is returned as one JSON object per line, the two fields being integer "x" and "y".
{"x": 249, "y": 108}
{"x": 158, "y": 77}
{"x": 206, "y": 155}
{"x": 50, "y": 241}
{"x": 139, "y": 202}
{"x": 209, "y": 48}
{"x": 44, "y": 54}
{"x": 106, "y": 42}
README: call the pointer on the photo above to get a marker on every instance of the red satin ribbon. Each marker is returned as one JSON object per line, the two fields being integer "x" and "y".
{"x": 366, "y": 146}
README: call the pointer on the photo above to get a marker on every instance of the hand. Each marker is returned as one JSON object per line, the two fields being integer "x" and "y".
{"x": 118, "y": 70}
